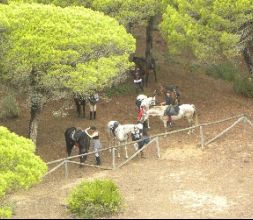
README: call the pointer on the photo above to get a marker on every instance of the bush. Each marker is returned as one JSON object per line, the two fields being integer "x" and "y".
{"x": 9, "y": 107}
{"x": 5, "y": 212}
{"x": 225, "y": 71}
{"x": 19, "y": 166}
{"x": 121, "y": 89}
{"x": 244, "y": 86}
{"x": 93, "y": 199}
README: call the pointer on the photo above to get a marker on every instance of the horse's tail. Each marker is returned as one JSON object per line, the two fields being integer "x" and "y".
{"x": 195, "y": 115}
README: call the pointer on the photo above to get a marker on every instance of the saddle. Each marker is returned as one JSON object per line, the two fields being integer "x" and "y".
{"x": 172, "y": 110}
{"x": 76, "y": 135}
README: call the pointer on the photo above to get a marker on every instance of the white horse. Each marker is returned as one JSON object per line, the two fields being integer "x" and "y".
{"x": 121, "y": 132}
{"x": 187, "y": 111}
{"x": 146, "y": 102}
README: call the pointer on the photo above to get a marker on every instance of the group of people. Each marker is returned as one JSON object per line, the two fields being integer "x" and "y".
{"x": 80, "y": 100}
{"x": 172, "y": 99}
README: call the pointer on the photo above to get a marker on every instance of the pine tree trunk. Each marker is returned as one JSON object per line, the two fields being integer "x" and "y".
{"x": 149, "y": 46}
{"x": 36, "y": 105}
{"x": 149, "y": 41}
{"x": 34, "y": 123}
{"x": 248, "y": 58}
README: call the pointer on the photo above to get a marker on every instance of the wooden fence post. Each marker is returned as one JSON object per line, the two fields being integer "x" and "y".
{"x": 158, "y": 147}
{"x": 66, "y": 169}
{"x": 113, "y": 158}
{"x": 202, "y": 138}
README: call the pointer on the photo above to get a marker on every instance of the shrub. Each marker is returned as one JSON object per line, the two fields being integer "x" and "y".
{"x": 5, "y": 212}
{"x": 93, "y": 199}
{"x": 225, "y": 71}
{"x": 19, "y": 166}
{"x": 244, "y": 86}
{"x": 120, "y": 89}
{"x": 9, "y": 107}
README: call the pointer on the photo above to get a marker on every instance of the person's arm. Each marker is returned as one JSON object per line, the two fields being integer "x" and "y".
{"x": 93, "y": 135}
{"x": 86, "y": 131}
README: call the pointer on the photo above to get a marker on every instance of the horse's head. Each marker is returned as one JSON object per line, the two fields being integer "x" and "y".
{"x": 138, "y": 127}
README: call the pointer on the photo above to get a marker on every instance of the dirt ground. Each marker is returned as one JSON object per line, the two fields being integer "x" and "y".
{"x": 186, "y": 182}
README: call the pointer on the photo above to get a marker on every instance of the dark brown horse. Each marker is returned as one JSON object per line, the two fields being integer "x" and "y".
{"x": 145, "y": 67}
{"x": 80, "y": 102}
{"x": 173, "y": 90}
{"x": 75, "y": 136}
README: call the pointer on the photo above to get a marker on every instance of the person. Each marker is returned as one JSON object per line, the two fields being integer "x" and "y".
{"x": 95, "y": 141}
{"x": 138, "y": 82}
{"x": 172, "y": 88}
{"x": 143, "y": 139}
{"x": 173, "y": 108}
{"x": 93, "y": 99}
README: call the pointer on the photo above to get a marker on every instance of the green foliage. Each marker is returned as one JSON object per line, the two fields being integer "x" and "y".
{"x": 244, "y": 86}
{"x": 225, "y": 71}
{"x": 5, "y": 212}
{"x": 121, "y": 89}
{"x": 93, "y": 199}
{"x": 125, "y": 11}
{"x": 208, "y": 28}
{"x": 48, "y": 48}
{"x": 19, "y": 166}
{"x": 9, "y": 107}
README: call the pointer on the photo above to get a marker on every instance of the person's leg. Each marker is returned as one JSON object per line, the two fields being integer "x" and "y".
{"x": 169, "y": 121}
{"x": 94, "y": 111}
{"x": 98, "y": 160}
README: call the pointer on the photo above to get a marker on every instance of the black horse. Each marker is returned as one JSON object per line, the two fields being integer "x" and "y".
{"x": 145, "y": 67}
{"x": 80, "y": 102}
{"x": 75, "y": 136}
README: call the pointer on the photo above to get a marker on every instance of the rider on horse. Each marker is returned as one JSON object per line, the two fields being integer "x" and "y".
{"x": 173, "y": 104}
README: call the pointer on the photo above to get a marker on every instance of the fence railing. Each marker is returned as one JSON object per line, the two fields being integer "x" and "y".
{"x": 153, "y": 139}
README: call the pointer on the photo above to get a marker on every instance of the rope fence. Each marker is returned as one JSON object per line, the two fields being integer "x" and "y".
{"x": 153, "y": 139}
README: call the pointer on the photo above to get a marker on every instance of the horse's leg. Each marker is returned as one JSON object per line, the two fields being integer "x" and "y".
{"x": 148, "y": 123}
{"x": 84, "y": 103}
{"x": 69, "y": 146}
{"x": 78, "y": 108}
{"x": 190, "y": 123}
{"x": 126, "y": 150}
{"x": 82, "y": 151}
{"x": 118, "y": 150}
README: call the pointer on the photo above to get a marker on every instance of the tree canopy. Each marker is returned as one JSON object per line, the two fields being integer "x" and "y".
{"x": 210, "y": 28}
{"x": 71, "y": 47}
{"x": 47, "y": 50}
{"x": 125, "y": 11}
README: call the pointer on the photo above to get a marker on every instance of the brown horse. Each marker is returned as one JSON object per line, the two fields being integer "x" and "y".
{"x": 145, "y": 67}
{"x": 80, "y": 101}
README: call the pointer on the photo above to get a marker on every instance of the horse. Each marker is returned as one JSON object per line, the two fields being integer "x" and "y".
{"x": 174, "y": 91}
{"x": 144, "y": 103}
{"x": 80, "y": 101}
{"x": 121, "y": 132}
{"x": 75, "y": 136}
{"x": 187, "y": 111}
{"x": 145, "y": 67}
